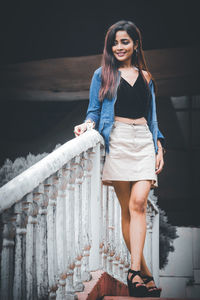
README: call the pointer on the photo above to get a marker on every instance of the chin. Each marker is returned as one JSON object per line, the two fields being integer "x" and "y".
{"x": 121, "y": 58}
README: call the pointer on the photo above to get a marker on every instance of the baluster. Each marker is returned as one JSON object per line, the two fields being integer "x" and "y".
{"x": 101, "y": 236}
{"x": 90, "y": 155}
{"x": 70, "y": 245}
{"x": 123, "y": 251}
{"x": 31, "y": 210}
{"x": 95, "y": 208}
{"x": 19, "y": 269}
{"x": 148, "y": 240}
{"x": 152, "y": 197}
{"x": 86, "y": 276}
{"x": 155, "y": 245}
{"x": 126, "y": 264}
{"x": 7, "y": 256}
{"x": 116, "y": 258}
{"x": 122, "y": 258}
{"x": 105, "y": 227}
{"x": 123, "y": 262}
{"x": 41, "y": 241}
{"x": 60, "y": 234}
{"x": 111, "y": 248}
{"x": 78, "y": 285}
{"x": 50, "y": 190}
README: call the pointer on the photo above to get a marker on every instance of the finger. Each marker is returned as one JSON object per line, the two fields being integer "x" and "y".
{"x": 157, "y": 163}
{"x": 159, "y": 169}
{"x": 77, "y": 130}
{"x": 161, "y": 164}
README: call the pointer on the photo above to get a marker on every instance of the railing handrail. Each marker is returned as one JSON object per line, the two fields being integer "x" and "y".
{"x": 24, "y": 183}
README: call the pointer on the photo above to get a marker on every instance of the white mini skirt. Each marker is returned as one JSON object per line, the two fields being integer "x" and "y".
{"x": 132, "y": 156}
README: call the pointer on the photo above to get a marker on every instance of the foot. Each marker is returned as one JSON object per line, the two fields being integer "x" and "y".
{"x": 136, "y": 285}
{"x": 150, "y": 284}
{"x": 138, "y": 279}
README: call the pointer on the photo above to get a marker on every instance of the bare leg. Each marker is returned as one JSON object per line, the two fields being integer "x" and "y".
{"x": 123, "y": 191}
{"x": 137, "y": 209}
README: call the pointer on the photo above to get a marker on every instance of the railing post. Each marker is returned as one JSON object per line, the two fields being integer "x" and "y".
{"x": 95, "y": 208}
{"x": 60, "y": 234}
{"x": 105, "y": 226}
{"x": 111, "y": 245}
{"x": 19, "y": 269}
{"x": 50, "y": 190}
{"x": 78, "y": 285}
{"x": 101, "y": 216}
{"x": 41, "y": 242}
{"x": 7, "y": 256}
{"x": 116, "y": 259}
{"x": 86, "y": 276}
{"x": 70, "y": 234}
{"x": 31, "y": 277}
{"x": 155, "y": 248}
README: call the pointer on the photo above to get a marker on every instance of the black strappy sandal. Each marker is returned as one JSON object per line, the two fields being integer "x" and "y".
{"x": 154, "y": 293}
{"x": 136, "y": 291}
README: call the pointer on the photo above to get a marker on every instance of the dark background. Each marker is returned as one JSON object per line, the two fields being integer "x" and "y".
{"x": 35, "y": 30}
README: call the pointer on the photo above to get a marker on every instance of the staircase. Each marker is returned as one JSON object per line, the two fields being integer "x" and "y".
{"x": 59, "y": 225}
{"x": 104, "y": 287}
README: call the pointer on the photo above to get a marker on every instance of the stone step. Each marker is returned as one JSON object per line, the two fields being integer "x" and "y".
{"x": 100, "y": 285}
{"x": 105, "y": 287}
{"x": 138, "y": 298}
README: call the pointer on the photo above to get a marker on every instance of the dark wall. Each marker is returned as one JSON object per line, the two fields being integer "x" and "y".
{"x": 34, "y": 30}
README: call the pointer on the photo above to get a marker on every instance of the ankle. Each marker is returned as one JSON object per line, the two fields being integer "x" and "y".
{"x": 135, "y": 267}
{"x": 135, "y": 274}
{"x": 144, "y": 273}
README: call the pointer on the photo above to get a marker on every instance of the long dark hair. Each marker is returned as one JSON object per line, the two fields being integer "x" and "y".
{"x": 110, "y": 64}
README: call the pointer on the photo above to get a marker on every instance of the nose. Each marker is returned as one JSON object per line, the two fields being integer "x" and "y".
{"x": 119, "y": 46}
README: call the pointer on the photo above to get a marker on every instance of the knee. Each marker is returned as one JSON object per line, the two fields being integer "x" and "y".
{"x": 137, "y": 205}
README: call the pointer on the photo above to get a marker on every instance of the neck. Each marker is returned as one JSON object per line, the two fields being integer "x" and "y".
{"x": 126, "y": 64}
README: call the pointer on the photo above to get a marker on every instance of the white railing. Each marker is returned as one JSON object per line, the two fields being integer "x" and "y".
{"x": 59, "y": 223}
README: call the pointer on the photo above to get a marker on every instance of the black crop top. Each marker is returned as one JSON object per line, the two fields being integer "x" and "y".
{"x": 132, "y": 101}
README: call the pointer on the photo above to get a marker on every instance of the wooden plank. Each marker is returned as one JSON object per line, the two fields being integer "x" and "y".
{"x": 176, "y": 72}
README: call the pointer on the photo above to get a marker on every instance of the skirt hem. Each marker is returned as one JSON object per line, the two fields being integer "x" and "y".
{"x": 110, "y": 182}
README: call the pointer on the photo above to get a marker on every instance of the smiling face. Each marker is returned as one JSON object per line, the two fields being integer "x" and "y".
{"x": 123, "y": 46}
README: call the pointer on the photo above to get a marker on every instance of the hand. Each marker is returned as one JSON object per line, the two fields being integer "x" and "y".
{"x": 159, "y": 161}
{"x": 80, "y": 129}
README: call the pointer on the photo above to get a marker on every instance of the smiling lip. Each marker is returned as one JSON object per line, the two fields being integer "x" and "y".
{"x": 120, "y": 53}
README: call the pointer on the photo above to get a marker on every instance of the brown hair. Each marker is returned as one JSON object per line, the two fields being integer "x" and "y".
{"x": 110, "y": 64}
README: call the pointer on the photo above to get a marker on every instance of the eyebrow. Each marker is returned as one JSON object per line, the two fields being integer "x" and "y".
{"x": 123, "y": 39}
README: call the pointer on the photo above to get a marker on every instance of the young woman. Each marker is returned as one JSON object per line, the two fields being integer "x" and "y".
{"x": 122, "y": 108}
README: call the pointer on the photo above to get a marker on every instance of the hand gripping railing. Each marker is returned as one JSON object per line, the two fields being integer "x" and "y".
{"x": 59, "y": 223}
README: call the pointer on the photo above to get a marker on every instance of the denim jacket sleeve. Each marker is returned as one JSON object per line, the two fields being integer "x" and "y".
{"x": 160, "y": 136}
{"x": 94, "y": 107}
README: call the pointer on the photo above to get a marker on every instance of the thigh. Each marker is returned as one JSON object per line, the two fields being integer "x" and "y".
{"x": 123, "y": 191}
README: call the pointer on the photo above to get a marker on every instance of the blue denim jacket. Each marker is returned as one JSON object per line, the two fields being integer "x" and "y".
{"x": 102, "y": 112}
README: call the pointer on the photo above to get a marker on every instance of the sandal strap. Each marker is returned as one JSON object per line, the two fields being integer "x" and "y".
{"x": 147, "y": 278}
{"x": 134, "y": 273}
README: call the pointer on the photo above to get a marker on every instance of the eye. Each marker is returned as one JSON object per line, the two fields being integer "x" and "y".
{"x": 125, "y": 42}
